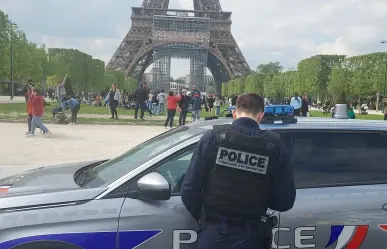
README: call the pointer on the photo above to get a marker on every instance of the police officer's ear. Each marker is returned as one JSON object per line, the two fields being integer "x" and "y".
{"x": 259, "y": 116}
{"x": 234, "y": 114}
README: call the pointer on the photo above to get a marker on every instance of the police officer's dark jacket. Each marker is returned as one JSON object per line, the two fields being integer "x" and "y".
{"x": 240, "y": 180}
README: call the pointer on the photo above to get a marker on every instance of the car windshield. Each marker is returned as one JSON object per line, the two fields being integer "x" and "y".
{"x": 110, "y": 171}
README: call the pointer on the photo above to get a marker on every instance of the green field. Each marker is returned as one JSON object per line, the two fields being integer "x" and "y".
{"x": 16, "y": 112}
{"x": 358, "y": 116}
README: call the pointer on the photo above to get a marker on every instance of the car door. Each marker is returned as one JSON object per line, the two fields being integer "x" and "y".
{"x": 341, "y": 190}
{"x": 152, "y": 224}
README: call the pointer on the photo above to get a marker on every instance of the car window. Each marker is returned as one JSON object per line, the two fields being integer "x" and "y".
{"x": 175, "y": 169}
{"x": 108, "y": 172}
{"x": 337, "y": 158}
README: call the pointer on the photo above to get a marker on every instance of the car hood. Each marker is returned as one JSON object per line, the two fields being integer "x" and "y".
{"x": 49, "y": 180}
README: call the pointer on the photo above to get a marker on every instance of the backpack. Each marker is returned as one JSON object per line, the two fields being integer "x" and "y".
{"x": 154, "y": 99}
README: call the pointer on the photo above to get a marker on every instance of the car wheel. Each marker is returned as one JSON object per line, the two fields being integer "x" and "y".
{"x": 46, "y": 245}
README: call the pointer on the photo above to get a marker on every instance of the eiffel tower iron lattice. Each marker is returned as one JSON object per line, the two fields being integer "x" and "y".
{"x": 140, "y": 46}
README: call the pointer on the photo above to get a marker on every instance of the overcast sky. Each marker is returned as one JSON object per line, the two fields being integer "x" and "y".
{"x": 271, "y": 30}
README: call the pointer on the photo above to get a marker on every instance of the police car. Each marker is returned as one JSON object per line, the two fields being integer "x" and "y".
{"x": 133, "y": 201}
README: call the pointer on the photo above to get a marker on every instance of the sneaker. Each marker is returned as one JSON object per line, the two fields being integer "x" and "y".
{"x": 30, "y": 135}
{"x": 70, "y": 123}
{"x": 26, "y": 133}
{"x": 48, "y": 134}
{"x": 166, "y": 127}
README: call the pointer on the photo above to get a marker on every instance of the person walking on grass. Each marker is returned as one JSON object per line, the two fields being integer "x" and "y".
{"x": 114, "y": 97}
{"x": 171, "y": 108}
{"x": 37, "y": 110}
{"x": 161, "y": 100}
{"x": 183, "y": 104}
{"x": 74, "y": 106}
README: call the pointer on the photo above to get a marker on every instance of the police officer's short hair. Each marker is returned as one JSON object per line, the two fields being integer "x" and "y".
{"x": 250, "y": 103}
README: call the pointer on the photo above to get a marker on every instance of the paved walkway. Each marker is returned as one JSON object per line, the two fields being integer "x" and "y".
{"x": 16, "y": 99}
{"x": 67, "y": 144}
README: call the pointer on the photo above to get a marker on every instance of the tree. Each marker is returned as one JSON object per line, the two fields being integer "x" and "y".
{"x": 270, "y": 68}
{"x": 338, "y": 84}
{"x": 53, "y": 80}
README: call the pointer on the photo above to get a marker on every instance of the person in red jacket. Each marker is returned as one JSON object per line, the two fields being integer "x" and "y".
{"x": 172, "y": 100}
{"x": 37, "y": 105}
{"x": 29, "y": 118}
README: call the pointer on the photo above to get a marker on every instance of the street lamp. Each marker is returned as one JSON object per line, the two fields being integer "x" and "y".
{"x": 94, "y": 78}
{"x": 291, "y": 70}
{"x": 11, "y": 60}
{"x": 85, "y": 56}
{"x": 385, "y": 73}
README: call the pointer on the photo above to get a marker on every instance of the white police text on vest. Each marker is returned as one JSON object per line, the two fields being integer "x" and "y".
{"x": 242, "y": 160}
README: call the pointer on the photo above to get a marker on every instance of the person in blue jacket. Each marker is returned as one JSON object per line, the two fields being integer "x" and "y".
{"x": 236, "y": 173}
{"x": 74, "y": 108}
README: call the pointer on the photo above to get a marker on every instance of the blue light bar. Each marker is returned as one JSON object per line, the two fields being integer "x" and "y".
{"x": 279, "y": 110}
{"x": 284, "y": 113}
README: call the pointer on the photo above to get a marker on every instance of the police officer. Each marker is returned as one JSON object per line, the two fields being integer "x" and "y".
{"x": 237, "y": 172}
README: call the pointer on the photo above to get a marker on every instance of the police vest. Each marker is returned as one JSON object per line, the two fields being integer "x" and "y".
{"x": 239, "y": 182}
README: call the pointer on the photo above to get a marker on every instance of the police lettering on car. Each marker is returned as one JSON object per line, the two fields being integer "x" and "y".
{"x": 237, "y": 172}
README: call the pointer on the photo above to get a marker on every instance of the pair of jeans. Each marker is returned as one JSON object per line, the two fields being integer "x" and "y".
{"x": 217, "y": 110}
{"x": 74, "y": 112}
{"x": 155, "y": 110}
{"x": 196, "y": 115}
{"x": 171, "y": 115}
{"x": 29, "y": 123}
{"x": 139, "y": 106}
{"x": 37, "y": 122}
{"x": 161, "y": 108}
{"x": 113, "y": 107}
{"x": 149, "y": 104}
{"x": 183, "y": 116}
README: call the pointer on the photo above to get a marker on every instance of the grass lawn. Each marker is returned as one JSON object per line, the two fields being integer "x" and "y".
{"x": 16, "y": 112}
{"x": 358, "y": 116}
{"x": 85, "y": 109}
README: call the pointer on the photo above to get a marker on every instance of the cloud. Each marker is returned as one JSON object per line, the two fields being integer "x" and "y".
{"x": 276, "y": 30}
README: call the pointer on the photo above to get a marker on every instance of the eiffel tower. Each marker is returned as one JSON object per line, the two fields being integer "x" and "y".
{"x": 158, "y": 34}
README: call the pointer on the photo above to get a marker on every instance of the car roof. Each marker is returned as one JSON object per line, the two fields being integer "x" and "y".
{"x": 304, "y": 123}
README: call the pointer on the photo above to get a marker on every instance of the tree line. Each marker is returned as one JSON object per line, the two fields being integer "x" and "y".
{"x": 325, "y": 77}
{"x": 47, "y": 66}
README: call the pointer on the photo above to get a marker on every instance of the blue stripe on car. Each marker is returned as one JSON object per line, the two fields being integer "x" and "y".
{"x": 92, "y": 240}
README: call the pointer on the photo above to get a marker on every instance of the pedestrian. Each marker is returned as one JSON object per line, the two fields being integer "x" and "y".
{"x": 140, "y": 96}
{"x": 74, "y": 106}
{"x": 171, "y": 108}
{"x": 161, "y": 99}
{"x": 29, "y": 113}
{"x": 114, "y": 97}
{"x": 296, "y": 102}
{"x": 305, "y": 105}
{"x": 210, "y": 104}
{"x": 236, "y": 173}
{"x": 217, "y": 106}
{"x": 385, "y": 108}
{"x": 196, "y": 102}
{"x": 149, "y": 103}
{"x": 148, "y": 93}
{"x": 155, "y": 104}
{"x": 37, "y": 111}
{"x": 183, "y": 104}
{"x": 60, "y": 89}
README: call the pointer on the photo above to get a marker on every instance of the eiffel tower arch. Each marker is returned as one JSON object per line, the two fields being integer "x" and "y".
{"x": 202, "y": 35}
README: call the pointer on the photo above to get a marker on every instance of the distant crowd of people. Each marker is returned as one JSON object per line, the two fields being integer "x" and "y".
{"x": 183, "y": 102}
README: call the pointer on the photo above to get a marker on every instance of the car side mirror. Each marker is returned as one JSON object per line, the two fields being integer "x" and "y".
{"x": 153, "y": 186}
